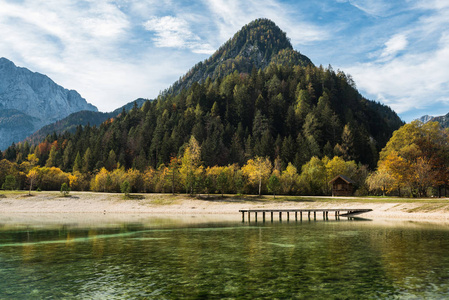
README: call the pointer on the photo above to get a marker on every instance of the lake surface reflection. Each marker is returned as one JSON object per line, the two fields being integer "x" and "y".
{"x": 167, "y": 259}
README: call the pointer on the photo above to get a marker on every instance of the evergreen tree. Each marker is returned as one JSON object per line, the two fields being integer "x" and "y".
{"x": 78, "y": 164}
{"x": 51, "y": 161}
{"x": 86, "y": 163}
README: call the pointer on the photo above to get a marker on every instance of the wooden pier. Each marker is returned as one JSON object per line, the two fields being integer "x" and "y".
{"x": 339, "y": 212}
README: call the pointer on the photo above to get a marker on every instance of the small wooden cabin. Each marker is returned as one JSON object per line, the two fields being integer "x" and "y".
{"x": 341, "y": 186}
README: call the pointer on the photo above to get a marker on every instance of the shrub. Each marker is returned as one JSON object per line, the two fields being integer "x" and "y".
{"x": 125, "y": 188}
{"x": 65, "y": 190}
{"x": 10, "y": 183}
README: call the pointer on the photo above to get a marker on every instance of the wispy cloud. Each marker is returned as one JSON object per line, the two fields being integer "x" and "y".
{"x": 230, "y": 16}
{"x": 394, "y": 45}
{"x": 371, "y": 7}
{"x": 409, "y": 82}
{"x": 175, "y": 33}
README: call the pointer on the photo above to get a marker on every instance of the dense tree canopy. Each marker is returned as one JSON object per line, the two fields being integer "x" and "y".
{"x": 416, "y": 158}
{"x": 293, "y": 113}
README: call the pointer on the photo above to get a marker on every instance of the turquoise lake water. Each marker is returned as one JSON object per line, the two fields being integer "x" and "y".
{"x": 225, "y": 260}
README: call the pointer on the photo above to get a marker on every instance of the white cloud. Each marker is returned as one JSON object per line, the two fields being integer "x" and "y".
{"x": 174, "y": 32}
{"x": 431, "y": 4}
{"x": 415, "y": 82}
{"x": 371, "y": 7}
{"x": 395, "y": 44}
{"x": 229, "y": 16}
{"x": 412, "y": 81}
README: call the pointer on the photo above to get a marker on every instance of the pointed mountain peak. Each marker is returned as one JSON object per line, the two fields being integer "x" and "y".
{"x": 263, "y": 34}
{"x": 258, "y": 44}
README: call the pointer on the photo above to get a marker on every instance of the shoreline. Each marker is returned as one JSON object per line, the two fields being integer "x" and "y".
{"x": 91, "y": 205}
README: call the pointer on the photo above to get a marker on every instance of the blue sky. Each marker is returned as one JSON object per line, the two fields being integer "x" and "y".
{"x": 113, "y": 52}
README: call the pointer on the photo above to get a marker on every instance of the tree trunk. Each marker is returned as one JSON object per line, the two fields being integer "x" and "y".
{"x": 173, "y": 183}
{"x": 260, "y": 187}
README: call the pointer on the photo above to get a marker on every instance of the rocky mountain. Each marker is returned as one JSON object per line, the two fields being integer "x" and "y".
{"x": 30, "y": 100}
{"x": 83, "y": 118}
{"x": 256, "y": 45}
{"x": 443, "y": 120}
{"x": 425, "y": 118}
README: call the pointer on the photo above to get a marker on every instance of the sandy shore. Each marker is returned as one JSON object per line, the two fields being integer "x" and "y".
{"x": 97, "y": 206}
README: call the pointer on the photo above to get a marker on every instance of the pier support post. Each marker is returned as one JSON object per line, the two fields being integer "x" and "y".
{"x": 296, "y": 216}
{"x": 256, "y": 216}
{"x": 280, "y": 216}
{"x": 243, "y": 217}
{"x": 263, "y": 215}
{"x": 249, "y": 217}
{"x": 271, "y": 216}
{"x": 288, "y": 216}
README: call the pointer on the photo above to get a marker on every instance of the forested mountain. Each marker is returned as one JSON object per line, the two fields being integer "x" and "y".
{"x": 238, "y": 104}
{"x": 83, "y": 118}
{"x": 256, "y": 45}
{"x": 31, "y": 100}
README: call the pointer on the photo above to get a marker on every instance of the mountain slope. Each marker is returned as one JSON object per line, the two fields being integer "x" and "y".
{"x": 443, "y": 120}
{"x": 31, "y": 100}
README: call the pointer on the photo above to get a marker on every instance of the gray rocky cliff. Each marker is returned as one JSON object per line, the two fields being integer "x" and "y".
{"x": 29, "y": 101}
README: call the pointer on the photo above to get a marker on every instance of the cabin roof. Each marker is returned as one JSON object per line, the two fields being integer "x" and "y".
{"x": 346, "y": 179}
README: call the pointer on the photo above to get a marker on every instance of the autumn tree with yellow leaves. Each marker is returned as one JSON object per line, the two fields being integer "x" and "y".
{"x": 416, "y": 157}
{"x": 257, "y": 170}
{"x": 191, "y": 168}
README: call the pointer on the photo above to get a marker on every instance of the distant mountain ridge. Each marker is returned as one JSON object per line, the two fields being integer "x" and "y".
{"x": 80, "y": 118}
{"x": 443, "y": 120}
{"x": 30, "y": 100}
{"x": 425, "y": 118}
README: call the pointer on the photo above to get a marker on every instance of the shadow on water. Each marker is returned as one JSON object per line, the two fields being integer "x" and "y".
{"x": 303, "y": 219}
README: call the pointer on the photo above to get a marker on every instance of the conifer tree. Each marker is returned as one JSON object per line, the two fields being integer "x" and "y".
{"x": 78, "y": 164}
{"x": 86, "y": 164}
